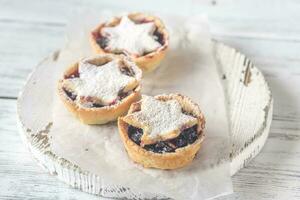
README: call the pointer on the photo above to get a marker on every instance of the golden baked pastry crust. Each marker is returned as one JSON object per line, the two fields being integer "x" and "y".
{"x": 171, "y": 160}
{"x": 96, "y": 115}
{"x": 146, "y": 62}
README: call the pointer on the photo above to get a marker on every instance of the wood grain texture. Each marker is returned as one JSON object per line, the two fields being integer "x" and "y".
{"x": 21, "y": 178}
{"x": 45, "y": 21}
{"x": 266, "y": 31}
{"x": 273, "y": 174}
{"x": 250, "y": 104}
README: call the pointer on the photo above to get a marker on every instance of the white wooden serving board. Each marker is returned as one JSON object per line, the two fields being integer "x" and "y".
{"x": 250, "y": 107}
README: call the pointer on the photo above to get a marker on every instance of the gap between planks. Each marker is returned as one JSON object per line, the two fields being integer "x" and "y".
{"x": 215, "y": 32}
{"x": 8, "y": 98}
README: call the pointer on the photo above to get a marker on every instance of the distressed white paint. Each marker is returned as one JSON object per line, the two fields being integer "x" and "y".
{"x": 249, "y": 98}
{"x": 45, "y": 22}
{"x": 270, "y": 39}
{"x": 250, "y": 104}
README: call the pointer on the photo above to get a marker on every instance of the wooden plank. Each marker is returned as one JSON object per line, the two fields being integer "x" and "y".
{"x": 24, "y": 45}
{"x": 228, "y": 17}
{"x": 21, "y": 177}
{"x": 261, "y": 49}
{"x": 45, "y": 22}
{"x": 274, "y": 173}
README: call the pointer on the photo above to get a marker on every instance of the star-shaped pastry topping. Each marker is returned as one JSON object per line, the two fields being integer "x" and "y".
{"x": 159, "y": 120}
{"x": 101, "y": 82}
{"x": 128, "y": 37}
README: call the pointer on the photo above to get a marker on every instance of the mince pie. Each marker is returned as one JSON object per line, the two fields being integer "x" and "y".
{"x": 100, "y": 89}
{"x": 162, "y": 132}
{"x": 139, "y": 36}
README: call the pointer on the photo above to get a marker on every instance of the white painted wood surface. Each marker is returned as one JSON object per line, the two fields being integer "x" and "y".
{"x": 267, "y": 31}
{"x": 250, "y": 104}
{"x": 249, "y": 112}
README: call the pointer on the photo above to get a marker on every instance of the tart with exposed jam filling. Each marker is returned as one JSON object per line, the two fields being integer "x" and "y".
{"x": 164, "y": 131}
{"x": 142, "y": 37}
{"x": 98, "y": 90}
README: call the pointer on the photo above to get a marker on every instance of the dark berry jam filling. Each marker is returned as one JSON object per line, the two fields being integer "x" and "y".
{"x": 102, "y": 41}
{"x": 186, "y": 137}
{"x": 97, "y": 105}
{"x": 127, "y": 71}
{"x": 159, "y": 37}
{"x": 135, "y": 134}
{"x": 189, "y": 135}
{"x": 122, "y": 94}
{"x": 160, "y": 147}
{"x": 71, "y": 95}
{"x": 187, "y": 113}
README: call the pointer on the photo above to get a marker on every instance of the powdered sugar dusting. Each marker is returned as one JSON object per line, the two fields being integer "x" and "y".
{"x": 161, "y": 117}
{"x": 131, "y": 38}
{"x": 102, "y": 82}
